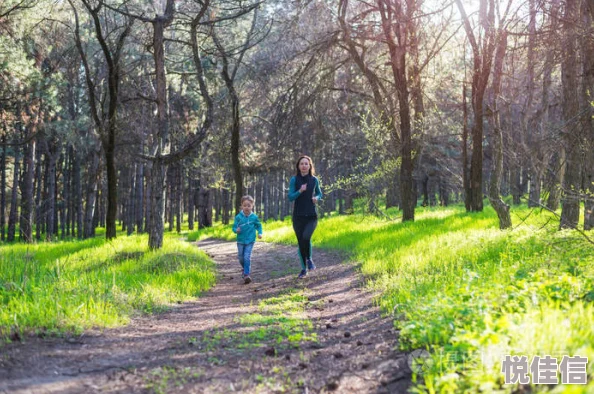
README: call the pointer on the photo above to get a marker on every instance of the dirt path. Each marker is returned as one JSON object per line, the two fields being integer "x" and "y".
{"x": 277, "y": 334}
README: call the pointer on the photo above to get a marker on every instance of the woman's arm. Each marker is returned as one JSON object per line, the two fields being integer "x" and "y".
{"x": 317, "y": 190}
{"x": 292, "y": 193}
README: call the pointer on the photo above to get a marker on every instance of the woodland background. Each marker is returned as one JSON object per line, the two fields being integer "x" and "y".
{"x": 145, "y": 113}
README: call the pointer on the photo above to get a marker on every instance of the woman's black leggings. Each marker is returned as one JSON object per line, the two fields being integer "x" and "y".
{"x": 304, "y": 227}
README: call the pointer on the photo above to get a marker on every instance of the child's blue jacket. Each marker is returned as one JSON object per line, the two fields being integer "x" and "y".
{"x": 249, "y": 225}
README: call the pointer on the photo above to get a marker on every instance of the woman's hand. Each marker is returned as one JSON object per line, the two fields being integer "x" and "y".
{"x": 238, "y": 229}
{"x": 303, "y": 188}
{"x": 259, "y": 236}
{"x": 314, "y": 199}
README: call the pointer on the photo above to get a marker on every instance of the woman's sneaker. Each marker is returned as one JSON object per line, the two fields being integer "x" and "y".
{"x": 310, "y": 265}
{"x": 247, "y": 279}
{"x": 303, "y": 274}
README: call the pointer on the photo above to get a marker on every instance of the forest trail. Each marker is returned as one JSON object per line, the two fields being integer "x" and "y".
{"x": 276, "y": 334}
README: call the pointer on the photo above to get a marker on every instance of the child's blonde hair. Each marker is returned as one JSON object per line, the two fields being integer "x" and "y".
{"x": 247, "y": 197}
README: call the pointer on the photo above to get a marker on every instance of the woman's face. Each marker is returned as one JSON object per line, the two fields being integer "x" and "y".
{"x": 304, "y": 166}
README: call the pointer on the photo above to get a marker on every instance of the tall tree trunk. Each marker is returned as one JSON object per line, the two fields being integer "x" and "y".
{"x": 132, "y": 200}
{"x": 425, "y": 187}
{"x": 227, "y": 207}
{"x": 444, "y": 196}
{"x": 157, "y": 211}
{"x": 552, "y": 176}
{"x": 106, "y": 123}
{"x": 112, "y": 176}
{"x": 532, "y": 131}
{"x": 64, "y": 164}
{"x": 483, "y": 51}
{"x": 3, "y": 190}
{"x": 570, "y": 211}
{"x": 179, "y": 199}
{"x": 78, "y": 196}
{"x": 168, "y": 201}
{"x": 13, "y": 214}
{"x": 396, "y": 33}
{"x": 587, "y": 111}
{"x": 191, "y": 202}
{"x": 465, "y": 163}
{"x": 266, "y": 197}
{"x": 139, "y": 205}
{"x": 39, "y": 203}
{"x": 500, "y": 207}
{"x": 26, "y": 220}
{"x": 162, "y": 140}
{"x": 205, "y": 202}
{"x": 51, "y": 201}
{"x": 91, "y": 192}
{"x": 67, "y": 219}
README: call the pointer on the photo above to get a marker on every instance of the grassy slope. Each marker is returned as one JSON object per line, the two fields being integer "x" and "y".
{"x": 72, "y": 285}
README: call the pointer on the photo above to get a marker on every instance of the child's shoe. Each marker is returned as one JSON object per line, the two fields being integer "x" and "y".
{"x": 310, "y": 265}
{"x": 303, "y": 274}
{"x": 247, "y": 279}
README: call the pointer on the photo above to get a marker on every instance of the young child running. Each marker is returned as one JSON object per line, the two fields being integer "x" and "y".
{"x": 245, "y": 226}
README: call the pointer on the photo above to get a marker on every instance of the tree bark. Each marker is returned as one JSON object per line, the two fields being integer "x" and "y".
{"x": 131, "y": 209}
{"x": 39, "y": 194}
{"x": 532, "y": 131}
{"x": 3, "y": 189}
{"x": 105, "y": 122}
{"x": 51, "y": 153}
{"x": 66, "y": 193}
{"x": 78, "y": 197}
{"x": 191, "y": 203}
{"x": 91, "y": 192}
{"x": 179, "y": 198}
{"x": 26, "y": 219}
{"x": 205, "y": 202}
{"x": 482, "y": 60}
{"x": 570, "y": 210}
{"x": 465, "y": 163}
{"x": 396, "y": 33}
{"x": 13, "y": 214}
{"x": 501, "y": 208}
{"x": 139, "y": 197}
{"x": 162, "y": 139}
{"x": 587, "y": 112}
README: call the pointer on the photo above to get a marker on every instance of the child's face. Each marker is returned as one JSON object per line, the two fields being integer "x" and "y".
{"x": 247, "y": 206}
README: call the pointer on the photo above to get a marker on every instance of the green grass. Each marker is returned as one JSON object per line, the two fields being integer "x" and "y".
{"x": 278, "y": 321}
{"x": 469, "y": 293}
{"x": 67, "y": 286}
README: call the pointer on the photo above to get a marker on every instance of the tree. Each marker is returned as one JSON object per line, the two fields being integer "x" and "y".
{"x": 483, "y": 48}
{"x": 105, "y": 119}
{"x": 571, "y": 133}
{"x": 228, "y": 72}
{"x": 497, "y": 203}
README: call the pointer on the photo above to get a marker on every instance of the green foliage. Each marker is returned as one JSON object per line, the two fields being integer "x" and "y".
{"x": 69, "y": 286}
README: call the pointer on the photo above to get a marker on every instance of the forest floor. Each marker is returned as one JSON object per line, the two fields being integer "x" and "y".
{"x": 276, "y": 334}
